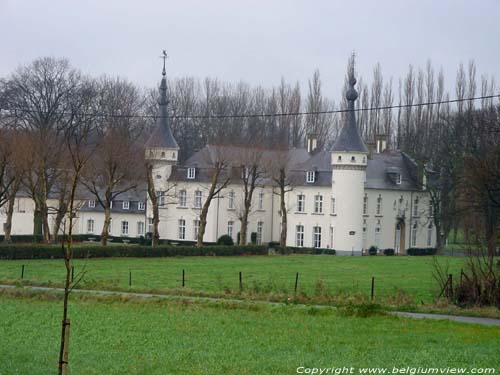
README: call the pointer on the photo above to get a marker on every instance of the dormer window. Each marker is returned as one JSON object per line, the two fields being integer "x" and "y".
{"x": 126, "y": 205}
{"x": 141, "y": 206}
{"x": 92, "y": 204}
{"x": 398, "y": 179}
{"x": 191, "y": 173}
{"x": 310, "y": 177}
{"x": 353, "y": 159}
{"x": 163, "y": 154}
{"x": 339, "y": 158}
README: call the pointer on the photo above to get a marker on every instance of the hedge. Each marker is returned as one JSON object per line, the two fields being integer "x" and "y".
{"x": 388, "y": 252}
{"x": 54, "y": 252}
{"x": 419, "y": 251}
{"x": 286, "y": 250}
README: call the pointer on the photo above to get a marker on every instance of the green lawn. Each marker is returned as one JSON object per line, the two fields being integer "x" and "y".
{"x": 109, "y": 336}
{"x": 319, "y": 275}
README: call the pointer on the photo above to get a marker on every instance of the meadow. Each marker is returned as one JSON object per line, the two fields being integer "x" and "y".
{"x": 135, "y": 336}
{"x": 320, "y": 277}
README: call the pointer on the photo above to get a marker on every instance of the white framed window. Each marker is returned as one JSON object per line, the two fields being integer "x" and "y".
{"x": 90, "y": 225}
{"x": 398, "y": 179}
{"x": 182, "y": 229}
{"x": 429, "y": 234}
{"x": 365, "y": 232}
{"x": 91, "y": 203}
{"x": 161, "y": 198}
{"x": 378, "y": 233}
{"x": 140, "y": 228}
{"x": 245, "y": 173}
{"x": 197, "y": 199}
{"x": 414, "y": 235}
{"x": 230, "y": 202}
{"x": 261, "y": 200}
{"x": 379, "y": 205}
{"x": 141, "y": 206}
{"x": 191, "y": 173}
{"x": 318, "y": 204}
{"x": 365, "y": 204}
{"x": 331, "y": 237}
{"x": 125, "y": 228}
{"x": 182, "y": 198}
{"x": 301, "y": 203}
{"x": 196, "y": 226}
{"x": 126, "y": 205}
{"x": 415, "y": 206}
{"x": 110, "y": 226}
{"x": 333, "y": 207}
{"x": 150, "y": 224}
{"x": 310, "y": 177}
{"x": 316, "y": 237}
{"x": 230, "y": 226}
{"x": 299, "y": 236}
{"x": 260, "y": 229}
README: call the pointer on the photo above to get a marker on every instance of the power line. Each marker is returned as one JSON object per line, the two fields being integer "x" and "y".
{"x": 254, "y": 115}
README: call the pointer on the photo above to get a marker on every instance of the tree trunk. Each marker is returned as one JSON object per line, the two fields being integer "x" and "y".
{"x": 10, "y": 211}
{"x": 203, "y": 222}
{"x": 284, "y": 219}
{"x": 155, "y": 236}
{"x": 105, "y": 228}
{"x": 244, "y": 228}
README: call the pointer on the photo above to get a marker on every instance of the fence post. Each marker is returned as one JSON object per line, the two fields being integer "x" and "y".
{"x": 183, "y": 278}
{"x": 129, "y": 277}
{"x": 296, "y": 282}
{"x": 241, "y": 282}
{"x": 22, "y": 271}
{"x": 373, "y": 287}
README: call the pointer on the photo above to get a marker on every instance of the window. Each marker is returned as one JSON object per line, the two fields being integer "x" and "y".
{"x": 245, "y": 173}
{"x": 299, "y": 236}
{"x": 125, "y": 228}
{"x": 260, "y": 227}
{"x": 182, "y": 229}
{"x": 197, "y": 199}
{"x": 317, "y": 237}
{"x": 150, "y": 224}
{"x": 261, "y": 200}
{"x": 141, "y": 206}
{"x": 378, "y": 232}
{"x": 365, "y": 232}
{"x": 230, "y": 203}
{"x": 92, "y": 204}
{"x": 182, "y": 198}
{"x": 333, "y": 206}
{"x": 161, "y": 198}
{"x": 365, "y": 205}
{"x": 431, "y": 210}
{"x": 90, "y": 226}
{"x": 196, "y": 226}
{"x": 140, "y": 228}
{"x": 126, "y": 205}
{"x": 415, "y": 207}
{"x": 339, "y": 158}
{"x": 191, "y": 173}
{"x": 353, "y": 159}
{"x": 310, "y": 177}
{"x": 331, "y": 237}
{"x": 379, "y": 205}
{"x": 301, "y": 203}
{"x": 414, "y": 235}
{"x": 230, "y": 225}
{"x": 398, "y": 179}
{"x": 429, "y": 235}
{"x": 163, "y": 154}
{"x": 318, "y": 204}
{"x": 110, "y": 226}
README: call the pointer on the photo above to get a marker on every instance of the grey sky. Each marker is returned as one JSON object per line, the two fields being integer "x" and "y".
{"x": 256, "y": 41}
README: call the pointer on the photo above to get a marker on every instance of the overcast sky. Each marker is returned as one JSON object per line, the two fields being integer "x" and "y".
{"x": 257, "y": 41}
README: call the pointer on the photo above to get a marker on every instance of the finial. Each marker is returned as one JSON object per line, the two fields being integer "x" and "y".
{"x": 351, "y": 94}
{"x": 164, "y": 57}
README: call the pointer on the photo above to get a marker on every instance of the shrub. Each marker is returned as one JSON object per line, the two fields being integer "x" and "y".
{"x": 389, "y": 252}
{"x": 225, "y": 240}
{"x": 420, "y": 251}
{"x": 36, "y": 251}
{"x": 372, "y": 250}
{"x": 286, "y": 250}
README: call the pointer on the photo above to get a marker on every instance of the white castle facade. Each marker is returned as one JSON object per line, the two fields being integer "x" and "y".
{"x": 348, "y": 198}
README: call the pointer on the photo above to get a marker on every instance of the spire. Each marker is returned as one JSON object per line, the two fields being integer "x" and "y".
{"x": 162, "y": 135}
{"x": 349, "y": 138}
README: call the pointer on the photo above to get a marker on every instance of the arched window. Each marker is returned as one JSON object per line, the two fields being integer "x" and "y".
{"x": 414, "y": 235}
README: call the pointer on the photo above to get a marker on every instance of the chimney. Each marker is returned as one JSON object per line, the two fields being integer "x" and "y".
{"x": 312, "y": 142}
{"x": 381, "y": 143}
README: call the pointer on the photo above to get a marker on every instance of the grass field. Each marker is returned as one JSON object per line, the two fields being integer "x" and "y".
{"x": 319, "y": 275}
{"x": 111, "y": 336}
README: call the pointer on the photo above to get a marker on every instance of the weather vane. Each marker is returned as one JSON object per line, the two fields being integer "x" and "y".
{"x": 164, "y": 57}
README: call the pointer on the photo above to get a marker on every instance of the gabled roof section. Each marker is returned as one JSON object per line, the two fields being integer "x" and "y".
{"x": 162, "y": 135}
{"x": 349, "y": 139}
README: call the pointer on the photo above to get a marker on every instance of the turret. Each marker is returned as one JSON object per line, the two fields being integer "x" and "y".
{"x": 349, "y": 159}
{"x": 161, "y": 148}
